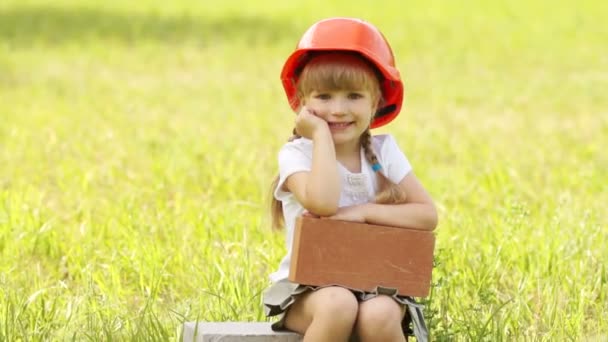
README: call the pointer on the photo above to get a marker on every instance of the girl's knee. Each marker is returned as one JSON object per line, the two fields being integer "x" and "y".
{"x": 379, "y": 319}
{"x": 333, "y": 307}
{"x": 336, "y": 303}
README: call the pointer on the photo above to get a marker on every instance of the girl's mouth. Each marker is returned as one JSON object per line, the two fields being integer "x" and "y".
{"x": 337, "y": 126}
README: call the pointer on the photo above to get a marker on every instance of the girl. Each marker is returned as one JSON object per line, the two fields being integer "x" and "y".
{"x": 342, "y": 81}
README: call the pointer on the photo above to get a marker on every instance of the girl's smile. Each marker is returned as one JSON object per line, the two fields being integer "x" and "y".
{"x": 339, "y": 126}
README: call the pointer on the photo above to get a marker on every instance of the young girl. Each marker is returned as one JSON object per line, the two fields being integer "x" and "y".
{"x": 342, "y": 81}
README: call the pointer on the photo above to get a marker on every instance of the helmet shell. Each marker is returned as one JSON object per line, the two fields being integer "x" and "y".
{"x": 354, "y": 35}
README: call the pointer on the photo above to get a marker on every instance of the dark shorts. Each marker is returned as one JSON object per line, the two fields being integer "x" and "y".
{"x": 281, "y": 295}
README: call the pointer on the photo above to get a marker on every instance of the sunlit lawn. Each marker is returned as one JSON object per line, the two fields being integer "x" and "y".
{"x": 138, "y": 141}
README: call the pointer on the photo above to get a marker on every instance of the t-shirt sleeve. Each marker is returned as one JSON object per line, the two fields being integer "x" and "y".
{"x": 396, "y": 165}
{"x": 293, "y": 157}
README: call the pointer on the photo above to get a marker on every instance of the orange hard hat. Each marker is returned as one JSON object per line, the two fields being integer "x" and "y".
{"x": 354, "y": 35}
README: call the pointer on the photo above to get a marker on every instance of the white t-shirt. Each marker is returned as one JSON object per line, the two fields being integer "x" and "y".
{"x": 357, "y": 188}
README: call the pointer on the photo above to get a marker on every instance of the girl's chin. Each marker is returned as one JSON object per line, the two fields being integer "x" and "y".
{"x": 342, "y": 139}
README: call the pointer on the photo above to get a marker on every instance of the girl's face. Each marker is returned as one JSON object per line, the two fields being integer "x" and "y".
{"x": 348, "y": 112}
{"x": 343, "y": 90}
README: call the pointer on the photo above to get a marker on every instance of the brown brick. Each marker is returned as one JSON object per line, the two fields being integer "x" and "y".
{"x": 362, "y": 256}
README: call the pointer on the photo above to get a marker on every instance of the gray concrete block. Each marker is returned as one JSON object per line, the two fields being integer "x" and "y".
{"x": 235, "y": 332}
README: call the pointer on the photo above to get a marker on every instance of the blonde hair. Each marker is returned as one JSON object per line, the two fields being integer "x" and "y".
{"x": 338, "y": 71}
{"x": 331, "y": 71}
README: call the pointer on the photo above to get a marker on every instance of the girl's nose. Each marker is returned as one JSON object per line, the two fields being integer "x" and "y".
{"x": 338, "y": 107}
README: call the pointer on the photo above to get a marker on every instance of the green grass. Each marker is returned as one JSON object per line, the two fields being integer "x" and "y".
{"x": 138, "y": 140}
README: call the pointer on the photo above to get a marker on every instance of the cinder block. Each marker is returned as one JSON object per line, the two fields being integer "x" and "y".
{"x": 362, "y": 256}
{"x": 235, "y": 332}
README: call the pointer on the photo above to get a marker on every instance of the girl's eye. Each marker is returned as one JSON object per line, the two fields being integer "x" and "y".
{"x": 354, "y": 96}
{"x": 322, "y": 96}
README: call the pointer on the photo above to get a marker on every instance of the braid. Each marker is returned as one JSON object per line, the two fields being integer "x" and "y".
{"x": 389, "y": 192}
{"x": 294, "y": 136}
{"x": 366, "y": 143}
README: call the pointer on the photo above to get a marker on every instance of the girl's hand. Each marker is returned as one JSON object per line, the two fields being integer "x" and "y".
{"x": 354, "y": 213}
{"x": 308, "y": 123}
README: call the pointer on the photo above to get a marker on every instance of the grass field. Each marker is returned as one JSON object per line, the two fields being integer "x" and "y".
{"x": 138, "y": 141}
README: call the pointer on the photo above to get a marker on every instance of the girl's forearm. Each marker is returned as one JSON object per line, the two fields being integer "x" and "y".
{"x": 422, "y": 216}
{"x": 323, "y": 185}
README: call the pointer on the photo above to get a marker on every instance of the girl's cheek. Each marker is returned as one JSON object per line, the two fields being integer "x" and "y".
{"x": 315, "y": 108}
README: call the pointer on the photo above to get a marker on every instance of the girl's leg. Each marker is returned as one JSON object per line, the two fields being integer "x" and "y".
{"x": 379, "y": 319}
{"x": 327, "y": 314}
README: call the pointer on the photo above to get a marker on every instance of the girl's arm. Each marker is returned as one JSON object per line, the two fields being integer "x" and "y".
{"x": 417, "y": 213}
{"x": 318, "y": 190}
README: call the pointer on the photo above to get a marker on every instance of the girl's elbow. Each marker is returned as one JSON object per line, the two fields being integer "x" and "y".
{"x": 321, "y": 204}
{"x": 323, "y": 209}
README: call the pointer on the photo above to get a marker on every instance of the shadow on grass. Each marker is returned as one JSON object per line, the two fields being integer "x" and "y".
{"x": 57, "y": 26}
